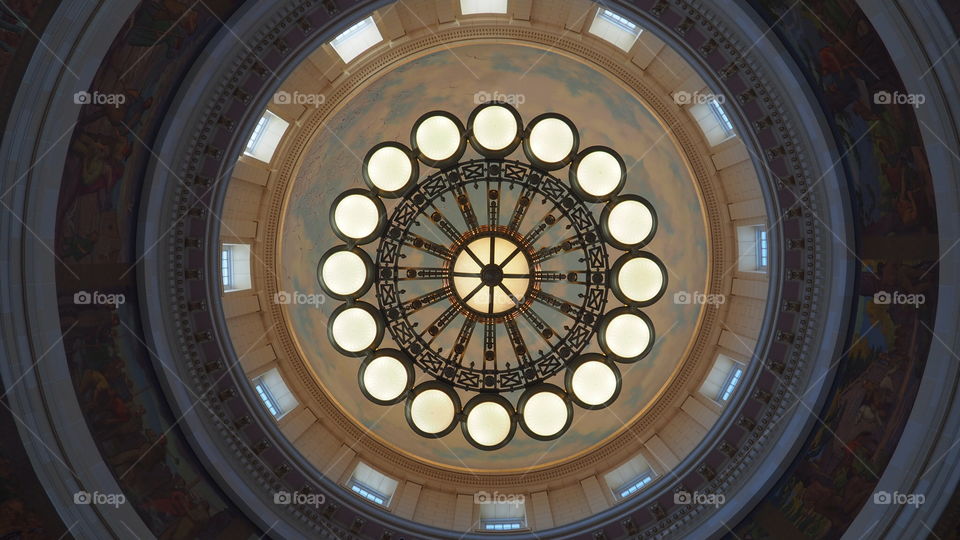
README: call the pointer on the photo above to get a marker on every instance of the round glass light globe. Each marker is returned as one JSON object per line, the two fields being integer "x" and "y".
{"x": 640, "y": 279}
{"x": 438, "y": 137}
{"x": 551, "y": 140}
{"x": 598, "y": 173}
{"x": 356, "y": 216}
{"x": 488, "y": 423}
{"x": 630, "y": 222}
{"x": 594, "y": 383}
{"x": 385, "y": 378}
{"x": 495, "y": 127}
{"x": 545, "y": 414}
{"x": 432, "y": 411}
{"x": 389, "y": 168}
{"x": 354, "y": 329}
{"x": 627, "y": 335}
{"x": 344, "y": 273}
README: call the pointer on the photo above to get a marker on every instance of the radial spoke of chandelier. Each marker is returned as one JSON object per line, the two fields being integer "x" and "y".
{"x": 493, "y": 205}
{"x": 547, "y": 253}
{"x": 474, "y": 256}
{"x": 418, "y": 242}
{"x": 463, "y": 339}
{"x": 510, "y": 257}
{"x": 442, "y": 223}
{"x": 474, "y": 292}
{"x": 466, "y": 209}
{"x": 548, "y": 221}
{"x": 428, "y": 299}
{"x": 520, "y": 209}
{"x": 441, "y": 322}
{"x": 549, "y": 300}
{"x": 419, "y": 273}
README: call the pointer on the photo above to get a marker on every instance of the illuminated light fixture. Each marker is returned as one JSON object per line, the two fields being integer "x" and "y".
{"x": 389, "y": 169}
{"x": 432, "y": 409}
{"x": 465, "y": 269}
{"x": 597, "y": 174}
{"x": 638, "y": 279}
{"x": 545, "y": 412}
{"x": 628, "y": 221}
{"x": 357, "y": 216}
{"x": 550, "y": 141}
{"x": 345, "y": 273}
{"x": 593, "y": 381}
{"x": 495, "y": 130}
{"x": 438, "y": 139}
{"x": 386, "y": 376}
{"x": 355, "y": 328}
{"x": 489, "y": 421}
{"x": 626, "y": 334}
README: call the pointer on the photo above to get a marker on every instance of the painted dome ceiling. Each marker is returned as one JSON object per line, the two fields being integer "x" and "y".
{"x": 536, "y": 81}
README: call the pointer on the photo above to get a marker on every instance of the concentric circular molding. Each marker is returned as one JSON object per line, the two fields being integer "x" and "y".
{"x": 491, "y": 273}
{"x": 783, "y": 357}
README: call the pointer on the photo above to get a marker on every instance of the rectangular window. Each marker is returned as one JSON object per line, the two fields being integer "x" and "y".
{"x": 235, "y": 267}
{"x": 274, "y": 393}
{"x": 729, "y": 385}
{"x": 266, "y": 136}
{"x": 762, "y": 254}
{"x": 497, "y": 516}
{"x": 722, "y": 379}
{"x": 356, "y": 39}
{"x": 722, "y": 118}
{"x": 615, "y": 28}
{"x": 372, "y": 485}
{"x": 473, "y": 7}
{"x": 226, "y": 266}
{"x": 630, "y": 478}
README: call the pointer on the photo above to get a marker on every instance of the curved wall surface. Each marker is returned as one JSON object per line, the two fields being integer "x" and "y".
{"x": 140, "y": 405}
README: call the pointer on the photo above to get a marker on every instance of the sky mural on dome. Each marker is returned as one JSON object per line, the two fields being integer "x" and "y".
{"x": 536, "y": 81}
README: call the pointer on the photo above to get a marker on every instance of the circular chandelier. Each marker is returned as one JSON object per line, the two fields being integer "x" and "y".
{"x": 492, "y": 276}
